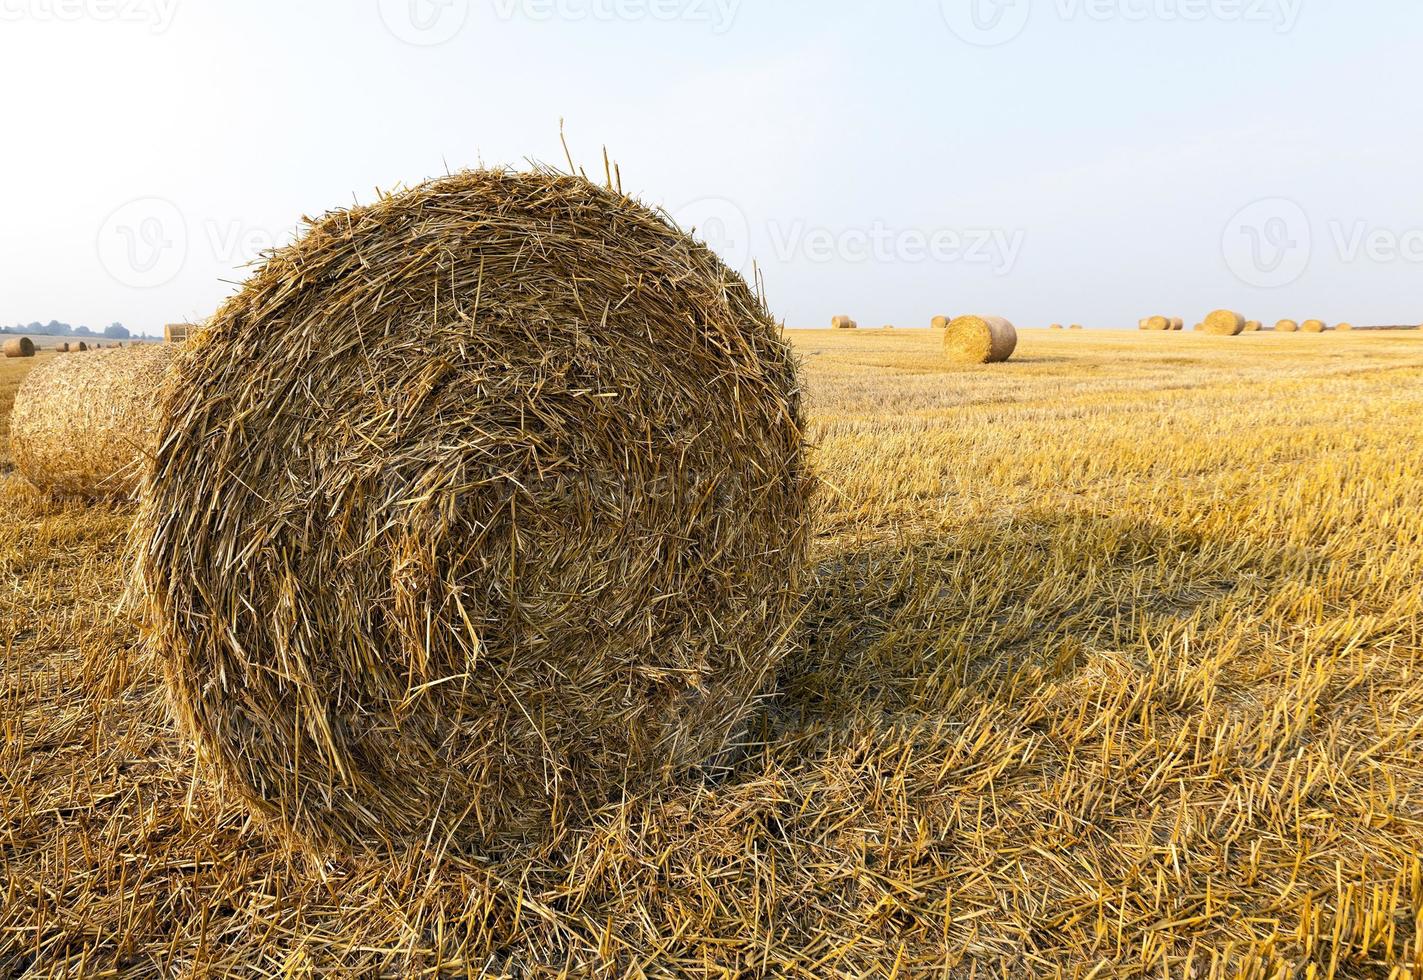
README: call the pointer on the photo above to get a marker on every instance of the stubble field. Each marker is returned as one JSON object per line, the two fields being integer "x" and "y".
{"x": 1111, "y": 664}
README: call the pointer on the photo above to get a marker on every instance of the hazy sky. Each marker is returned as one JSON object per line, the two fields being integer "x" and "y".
{"x": 1090, "y": 161}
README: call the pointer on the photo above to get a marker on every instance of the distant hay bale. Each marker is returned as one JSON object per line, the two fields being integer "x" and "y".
{"x": 1287, "y": 326}
{"x": 19, "y": 347}
{"x": 475, "y": 509}
{"x": 843, "y": 323}
{"x": 939, "y": 323}
{"x": 1313, "y": 326}
{"x": 1055, "y": 326}
{"x": 1142, "y": 323}
{"x": 1224, "y": 323}
{"x": 179, "y": 333}
{"x": 980, "y": 340}
{"x": 1177, "y": 323}
{"x": 82, "y": 426}
{"x": 1076, "y": 326}
{"x": 1345, "y": 326}
{"x": 62, "y": 347}
{"x": 888, "y": 326}
{"x": 1158, "y": 323}
{"x": 1252, "y": 326}
{"x": 1200, "y": 327}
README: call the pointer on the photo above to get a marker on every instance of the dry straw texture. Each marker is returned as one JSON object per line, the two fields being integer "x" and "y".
{"x": 19, "y": 347}
{"x": 1313, "y": 326}
{"x": 504, "y": 521}
{"x": 1287, "y": 326}
{"x": 82, "y": 426}
{"x": 980, "y": 340}
{"x": 178, "y": 333}
{"x": 1224, "y": 323}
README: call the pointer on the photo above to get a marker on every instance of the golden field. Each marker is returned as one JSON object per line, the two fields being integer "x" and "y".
{"x": 1111, "y": 664}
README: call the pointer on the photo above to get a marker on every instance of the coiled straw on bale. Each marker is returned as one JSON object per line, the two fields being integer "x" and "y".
{"x": 1224, "y": 323}
{"x": 19, "y": 347}
{"x": 82, "y": 426}
{"x": 1313, "y": 326}
{"x": 1287, "y": 326}
{"x": 505, "y": 521}
{"x": 980, "y": 340}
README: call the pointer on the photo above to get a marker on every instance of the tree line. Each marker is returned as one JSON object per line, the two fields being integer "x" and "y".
{"x": 114, "y": 331}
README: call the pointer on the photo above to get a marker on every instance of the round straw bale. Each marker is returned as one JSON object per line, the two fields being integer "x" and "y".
{"x": 19, "y": 347}
{"x": 1224, "y": 323}
{"x": 506, "y": 520}
{"x": 1177, "y": 323}
{"x": 980, "y": 340}
{"x": 1055, "y": 326}
{"x": 1252, "y": 326}
{"x": 1345, "y": 326}
{"x": 1075, "y": 326}
{"x": 82, "y": 426}
{"x": 1313, "y": 326}
{"x": 1287, "y": 326}
{"x": 939, "y": 323}
{"x": 842, "y": 323}
{"x": 1141, "y": 324}
{"x": 1158, "y": 323}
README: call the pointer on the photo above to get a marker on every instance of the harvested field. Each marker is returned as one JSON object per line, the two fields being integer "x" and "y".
{"x": 1108, "y": 666}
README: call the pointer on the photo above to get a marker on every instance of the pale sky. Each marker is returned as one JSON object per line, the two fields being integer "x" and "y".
{"x": 1087, "y": 161}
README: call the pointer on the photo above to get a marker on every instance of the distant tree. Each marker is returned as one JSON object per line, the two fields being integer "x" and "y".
{"x": 82, "y": 331}
{"x": 117, "y": 331}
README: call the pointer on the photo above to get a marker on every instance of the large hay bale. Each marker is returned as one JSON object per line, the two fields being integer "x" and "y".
{"x": 475, "y": 509}
{"x": 83, "y": 426}
{"x": 1313, "y": 326}
{"x": 1158, "y": 323}
{"x": 19, "y": 347}
{"x": 980, "y": 340}
{"x": 1287, "y": 326}
{"x": 1224, "y": 323}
